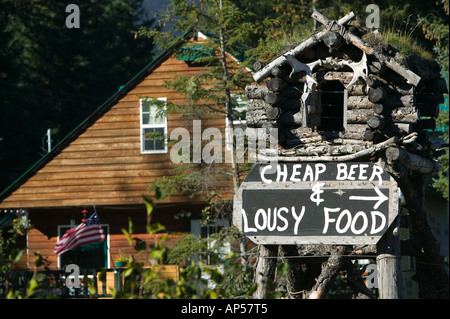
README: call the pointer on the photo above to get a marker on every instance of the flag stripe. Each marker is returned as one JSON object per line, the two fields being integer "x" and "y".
{"x": 77, "y": 233}
{"x": 90, "y": 233}
{"x": 87, "y": 232}
{"x": 80, "y": 240}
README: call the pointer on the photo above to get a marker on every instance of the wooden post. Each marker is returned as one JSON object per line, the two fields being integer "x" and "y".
{"x": 389, "y": 272}
{"x": 295, "y": 275}
{"x": 265, "y": 270}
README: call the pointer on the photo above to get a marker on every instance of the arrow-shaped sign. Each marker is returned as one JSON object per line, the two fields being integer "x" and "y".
{"x": 380, "y": 198}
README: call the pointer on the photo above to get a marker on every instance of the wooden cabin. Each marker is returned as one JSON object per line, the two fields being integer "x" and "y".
{"x": 110, "y": 161}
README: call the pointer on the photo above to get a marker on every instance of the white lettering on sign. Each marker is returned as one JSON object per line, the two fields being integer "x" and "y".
{"x": 349, "y": 173}
{"x": 345, "y": 221}
{"x": 277, "y": 220}
{"x": 312, "y": 172}
{"x": 273, "y": 219}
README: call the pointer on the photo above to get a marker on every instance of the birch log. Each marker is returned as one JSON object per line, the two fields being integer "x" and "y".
{"x": 309, "y": 42}
{"x": 276, "y": 84}
{"x": 256, "y": 118}
{"x": 412, "y": 161}
{"x": 257, "y": 105}
{"x": 256, "y": 91}
{"x": 359, "y": 116}
{"x": 359, "y": 102}
{"x": 405, "y": 115}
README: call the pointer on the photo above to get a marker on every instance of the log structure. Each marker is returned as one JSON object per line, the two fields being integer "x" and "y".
{"x": 342, "y": 95}
{"x": 339, "y": 84}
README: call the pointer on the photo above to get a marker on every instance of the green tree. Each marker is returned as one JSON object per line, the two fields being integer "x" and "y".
{"x": 210, "y": 93}
{"x": 12, "y": 233}
{"x": 435, "y": 29}
{"x": 229, "y": 31}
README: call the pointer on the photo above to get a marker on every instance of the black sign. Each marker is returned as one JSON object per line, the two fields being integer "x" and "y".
{"x": 336, "y": 203}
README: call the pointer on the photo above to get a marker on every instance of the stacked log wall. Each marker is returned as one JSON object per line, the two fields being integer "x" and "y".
{"x": 381, "y": 107}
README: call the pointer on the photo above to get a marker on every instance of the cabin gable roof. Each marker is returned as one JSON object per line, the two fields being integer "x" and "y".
{"x": 334, "y": 34}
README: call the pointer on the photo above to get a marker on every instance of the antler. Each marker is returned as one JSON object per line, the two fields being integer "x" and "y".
{"x": 298, "y": 66}
{"x": 360, "y": 69}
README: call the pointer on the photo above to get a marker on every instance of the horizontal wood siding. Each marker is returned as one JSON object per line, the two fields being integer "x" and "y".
{"x": 43, "y": 236}
{"x": 38, "y": 242}
{"x": 104, "y": 165}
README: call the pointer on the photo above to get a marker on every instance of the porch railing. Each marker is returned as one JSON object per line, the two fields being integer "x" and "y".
{"x": 53, "y": 283}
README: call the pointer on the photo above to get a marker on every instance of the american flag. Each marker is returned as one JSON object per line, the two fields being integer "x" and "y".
{"x": 87, "y": 232}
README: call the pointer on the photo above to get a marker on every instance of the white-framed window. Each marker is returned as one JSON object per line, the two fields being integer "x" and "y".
{"x": 204, "y": 230}
{"x": 199, "y": 228}
{"x": 153, "y": 120}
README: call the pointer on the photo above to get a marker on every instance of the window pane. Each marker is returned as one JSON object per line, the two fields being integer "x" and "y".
{"x": 154, "y": 139}
{"x": 152, "y": 115}
{"x": 332, "y": 103}
{"x": 159, "y": 140}
{"x": 145, "y": 107}
{"x": 145, "y": 118}
{"x": 157, "y": 116}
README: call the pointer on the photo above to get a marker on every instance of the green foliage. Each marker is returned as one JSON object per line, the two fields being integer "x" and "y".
{"x": 10, "y": 252}
{"x": 442, "y": 181}
{"x": 226, "y": 278}
{"x": 436, "y": 30}
{"x": 34, "y": 286}
{"x": 406, "y": 44}
{"x": 209, "y": 17}
{"x": 188, "y": 247}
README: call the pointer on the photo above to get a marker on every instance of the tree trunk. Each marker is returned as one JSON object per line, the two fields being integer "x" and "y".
{"x": 229, "y": 110}
{"x": 332, "y": 267}
{"x": 389, "y": 272}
